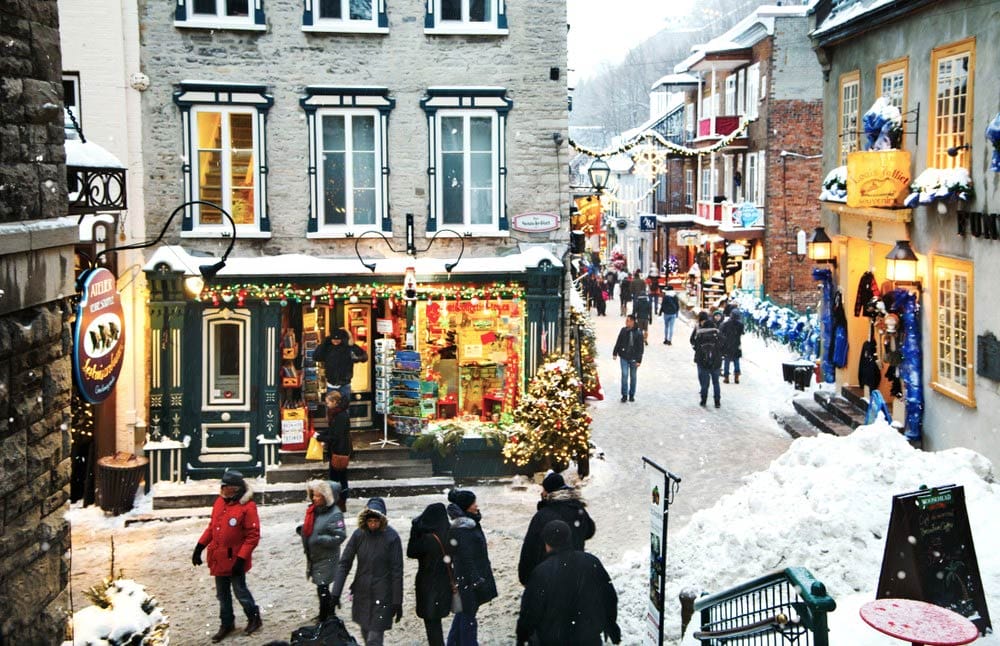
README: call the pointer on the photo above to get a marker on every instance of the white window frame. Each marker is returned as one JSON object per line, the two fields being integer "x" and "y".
{"x": 350, "y": 224}
{"x": 377, "y": 24}
{"x": 753, "y": 90}
{"x": 194, "y": 97}
{"x": 947, "y": 318}
{"x": 184, "y": 16}
{"x": 727, "y": 178}
{"x": 730, "y": 95}
{"x": 689, "y": 187}
{"x": 761, "y": 179}
{"x": 491, "y": 102}
{"x": 741, "y": 98}
{"x": 73, "y": 78}
{"x": 496, "y": 26}
{"x": 211, "y": 318}
{"x": 750, "y": 179}
{"x": 849, "y": 114}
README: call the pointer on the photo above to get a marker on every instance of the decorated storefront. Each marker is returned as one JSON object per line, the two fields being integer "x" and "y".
{"x": 235, "y": 376}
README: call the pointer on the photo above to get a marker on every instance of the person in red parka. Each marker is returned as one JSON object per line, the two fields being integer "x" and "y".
{"x": 231, "y": 536}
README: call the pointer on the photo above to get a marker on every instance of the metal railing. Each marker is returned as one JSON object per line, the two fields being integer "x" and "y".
{"x": 785, "y": 607}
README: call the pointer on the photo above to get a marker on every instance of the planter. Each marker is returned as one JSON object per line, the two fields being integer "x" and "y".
{"x": 474, "y": 458}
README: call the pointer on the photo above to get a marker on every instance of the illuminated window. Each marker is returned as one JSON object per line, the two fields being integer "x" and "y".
{"x": 951, "y": 103}
{"x": 849, "y": 115}
{"x": 952, "y": 343}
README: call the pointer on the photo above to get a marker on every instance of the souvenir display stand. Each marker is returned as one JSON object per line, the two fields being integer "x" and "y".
{"x": 295, "y": 425}
{"x": 385, "y": 357}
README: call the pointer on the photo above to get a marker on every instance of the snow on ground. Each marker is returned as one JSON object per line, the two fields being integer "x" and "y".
{"x": 823, "y": 505}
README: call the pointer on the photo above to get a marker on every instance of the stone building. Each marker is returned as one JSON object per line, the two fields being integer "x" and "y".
{"x": 334, "y": 135}
{"x": 36, "y": 284}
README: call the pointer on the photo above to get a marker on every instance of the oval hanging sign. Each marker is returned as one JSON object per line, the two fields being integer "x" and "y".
{"x": 535, "y": 222}
{"x": 99, "y": 339}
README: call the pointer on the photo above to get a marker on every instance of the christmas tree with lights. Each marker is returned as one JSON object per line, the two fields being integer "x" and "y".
{"x": 586, "y": 338}
{"x": 555, "y": 419}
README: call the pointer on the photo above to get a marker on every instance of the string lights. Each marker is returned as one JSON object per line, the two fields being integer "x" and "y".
{"x": 658, "y": 138}
{"x": 285, "y": 293}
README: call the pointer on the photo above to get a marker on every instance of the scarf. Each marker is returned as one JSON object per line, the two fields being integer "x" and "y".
{"x": 307, "y": 526}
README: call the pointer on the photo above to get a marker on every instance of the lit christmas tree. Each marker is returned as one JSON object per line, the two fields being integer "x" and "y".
{"x": 556, "y": 420}
{"x": 588, "y": 352}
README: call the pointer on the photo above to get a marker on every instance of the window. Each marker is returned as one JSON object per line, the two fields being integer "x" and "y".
{"x": 849, "y": 117}
{"x": 951, "y": 319}
{"x": 220, "y": 14}
{"x": 345, "y": 16}
{"x": 950, "y": 120}
{"x": 709, "y": 179}
{"x": 488, "y": 17}
{"x": 688, "y": 187}
{"x": 71, "y": 95}
{"x": 348, "y": 172}
{"x": 730, "y": 94}
{"x": 689, "y": 121}
{"x": 741, "y": 98}
{"x": 753, "y": 90}
{"x": 224, "y": 161}
{"x": 728, "y": 189}
{"x": 761, "y": 179}
{"x": 227, "y": 359}
{"x": 750, "y": 181}
{"x": 468, "y": 172}
{"x": 891, "y": 79}
{"x": 706, "y": 107}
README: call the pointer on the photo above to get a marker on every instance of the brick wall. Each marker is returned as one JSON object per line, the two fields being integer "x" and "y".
{"x": 35, "y": 280}
{"x": 407, "y": 62}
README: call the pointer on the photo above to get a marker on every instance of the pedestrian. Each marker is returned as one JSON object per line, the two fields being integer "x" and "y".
{"x": 377, "y": 588}
{"x": 628, "y": 350}
{"x": 336, "y": 439}
{"x": 322, "y": 533}
{"x": 670, "y": 307}
{"x": 654, "y": 290}
{"x": 637, "y": 287}
{"x": 705, "y": 340}
{"x": 643, "y": 311}
{"x": 569, "y": 598}
{"x": 600, "y": 292}
{"x": 471, "y": 562}
{"x": 435, "y": 580}
{"x": 230, "y": 538}
{"x": 559, "y": 502}
{"x": 730, "y": 340}
{"x": 611, "y": 278}
{"x": 338, "y": 354}
{"x": 624, "y": 295}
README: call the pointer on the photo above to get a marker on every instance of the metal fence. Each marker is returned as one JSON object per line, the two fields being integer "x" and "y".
{"x": 785, "y": 607}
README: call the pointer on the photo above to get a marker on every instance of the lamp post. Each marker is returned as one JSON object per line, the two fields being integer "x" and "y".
{"x": 599, "y": 173}
{"x": 821, "y": 247}
{"x": 901, "y": 265}
{"x": 411, "y": 247}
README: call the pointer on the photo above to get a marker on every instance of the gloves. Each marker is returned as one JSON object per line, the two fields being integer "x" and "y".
{"x": 298, "y": 530}
{"x": 239, "y": 566}
{"x": 335, "y": 601}
{"x": 196, "y": 557}
{"x": 397, "y": 612}
{"x": 614, "y": 633}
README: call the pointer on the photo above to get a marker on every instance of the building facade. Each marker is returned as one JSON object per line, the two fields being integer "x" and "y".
{"x": 335, "y": 135}
{"x": 934, "y": 62}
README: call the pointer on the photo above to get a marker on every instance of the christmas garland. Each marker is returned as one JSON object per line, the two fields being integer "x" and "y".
{"x": 677, "y": 148}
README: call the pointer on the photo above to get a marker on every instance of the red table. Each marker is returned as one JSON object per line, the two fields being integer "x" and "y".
{"x": 919, "y": 622}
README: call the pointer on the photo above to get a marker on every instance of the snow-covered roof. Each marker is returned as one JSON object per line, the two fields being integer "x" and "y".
{"x": 844, "y": 13}
{"x": 86, "y": 155}
{"x": 292, "y": 266}
{"x": 756, "y": 26}
{"x": 674, "y": 79}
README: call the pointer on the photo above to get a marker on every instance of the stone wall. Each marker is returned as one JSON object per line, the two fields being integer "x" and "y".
{"x": 36, "y": 278}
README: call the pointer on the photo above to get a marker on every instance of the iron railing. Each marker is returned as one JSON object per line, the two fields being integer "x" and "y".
{"x": 785, "y": 607}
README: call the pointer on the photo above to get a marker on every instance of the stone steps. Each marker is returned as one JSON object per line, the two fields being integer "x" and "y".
{"x": 817, "y": 415}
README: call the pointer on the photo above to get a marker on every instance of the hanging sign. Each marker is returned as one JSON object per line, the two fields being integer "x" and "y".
{"x": 99, "y": 337}
{"x": 878, "y": 178}
{"x": 535, "y": 222}
{"x": 687, "y": 237}
{"x": 647, "y": 223}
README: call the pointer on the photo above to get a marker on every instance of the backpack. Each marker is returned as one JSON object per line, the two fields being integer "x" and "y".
{"x": 706, "y": 353}
{"x": 331, "y": 632}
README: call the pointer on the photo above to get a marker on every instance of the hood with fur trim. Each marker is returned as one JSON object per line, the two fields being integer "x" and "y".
{"x": 566, "y": 494}
{"x": 368, "y": 512}
{"x": 329, "y": 489}
{"x": 244, "y": 496}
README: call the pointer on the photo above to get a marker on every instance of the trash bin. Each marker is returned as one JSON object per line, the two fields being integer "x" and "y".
{"x": 118, "y": 478}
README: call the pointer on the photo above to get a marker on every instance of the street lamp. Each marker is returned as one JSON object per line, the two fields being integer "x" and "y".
{"x": 902, "y": 264}
{"x": 599, "y": 174}
{"x": 821, "y": 247}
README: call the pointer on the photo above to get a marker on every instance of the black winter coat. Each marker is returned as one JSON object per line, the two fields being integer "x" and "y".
{"x": 569, "y": 600}
{"x": 428, "y": 544}
{"x": 564, "y": 505}
{"x": 629, "y": 348}
{"x": 338, "y": 360}
{"x": 730, "y": 335}
{"x": 473, "y": 572}
{"x": 705, "y": 340}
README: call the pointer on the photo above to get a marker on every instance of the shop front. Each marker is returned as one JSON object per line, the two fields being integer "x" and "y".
{"x": 235, "y": 376}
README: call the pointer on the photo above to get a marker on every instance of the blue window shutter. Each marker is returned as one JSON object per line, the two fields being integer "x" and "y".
{"x": 307, "y": 14}
{"x": 383, "y": 18}
{"x": 258, "y": 14}
{"x": 180, "y": 12}
{"x": 429, "y": 15}
{"x": 502, "y": 16}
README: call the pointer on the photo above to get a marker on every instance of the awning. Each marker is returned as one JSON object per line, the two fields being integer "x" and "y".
{"x": 673, "y": 220}
{"x": 742, "y": 234}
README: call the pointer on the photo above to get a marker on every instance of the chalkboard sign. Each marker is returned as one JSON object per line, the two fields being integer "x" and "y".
{"x": 929, "y": 554}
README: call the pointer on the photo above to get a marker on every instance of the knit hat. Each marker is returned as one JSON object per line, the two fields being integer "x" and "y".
{"x": 464, "y": 498}
{"x": 376, "y": 505}
{"x": 553, "y": 482}
{"x": 556, "y": 534}
{"x": 234, "y": 478}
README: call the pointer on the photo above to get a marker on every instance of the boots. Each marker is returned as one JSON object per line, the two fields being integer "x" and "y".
{"x": 221, "y": 633}
{"x": 324, "y": 609}
{"x": 254, "y": 623}
{"x": 737, "y": 376}
{"x": 725, "y": 379}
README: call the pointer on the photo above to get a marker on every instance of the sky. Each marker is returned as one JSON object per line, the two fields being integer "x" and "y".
{"x": 604, "y": 32}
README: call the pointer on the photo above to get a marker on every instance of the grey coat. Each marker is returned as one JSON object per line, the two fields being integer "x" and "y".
{"x": 322, "y": 547}
{"x": 378, "y": 582}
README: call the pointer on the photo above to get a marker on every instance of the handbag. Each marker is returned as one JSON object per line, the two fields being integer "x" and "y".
{"x": 456, "y": 598}
{"x": 339, "y": 462}
{"x": 315, "y": 450}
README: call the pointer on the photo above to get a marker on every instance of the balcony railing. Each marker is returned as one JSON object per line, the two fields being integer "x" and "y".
{"x": 718, "y": 126}
{"x": 709, "y": 212}
{"x": 745, "y": 215}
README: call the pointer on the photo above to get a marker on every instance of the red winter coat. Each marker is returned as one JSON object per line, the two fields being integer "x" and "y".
{"x": 234, "y": 531}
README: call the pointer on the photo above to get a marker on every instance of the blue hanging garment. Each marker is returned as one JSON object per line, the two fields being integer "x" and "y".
{"x": 875, "y": 404}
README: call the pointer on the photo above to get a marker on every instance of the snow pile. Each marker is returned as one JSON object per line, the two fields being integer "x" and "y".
{"x": 940, "y": 184}
{"x": 823, "y": 505}
{"x": 835, "y": 185}
{"x": 128, "y": 616}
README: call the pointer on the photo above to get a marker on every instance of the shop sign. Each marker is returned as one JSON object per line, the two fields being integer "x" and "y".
{"x": 736, "y": 249}
{"x": 687, "y": 237}
{"x": 383, "y": 326}
{"x": 535, "y": 222}
{"x": 748, "y": 214}
{"x": 647, "y": 223}
{"x": 878, "y": 178}
{"x": 99, "y": 338}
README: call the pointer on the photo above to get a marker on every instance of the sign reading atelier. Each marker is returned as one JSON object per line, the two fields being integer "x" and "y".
{"x": 99, "y": 338}
{"x": 929, "y": 554}
{"x": 878, "y": 178}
